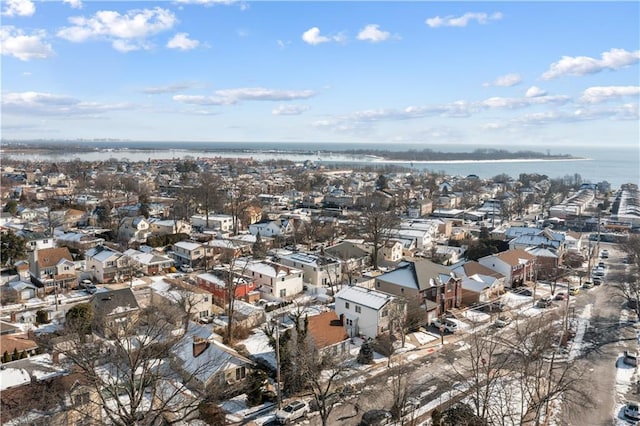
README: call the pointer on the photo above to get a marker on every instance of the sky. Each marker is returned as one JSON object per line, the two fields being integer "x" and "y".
{"x": 482, "y": 73}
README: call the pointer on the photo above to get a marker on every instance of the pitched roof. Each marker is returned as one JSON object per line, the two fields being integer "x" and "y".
{"x": 472, "y": 268}
{"x": 515, "y": 256}
{"x": 326, "y": 329}
{"x": 114, "y": 302}
{"x": 51, "y": 257}
{"x": 364, "y": 296}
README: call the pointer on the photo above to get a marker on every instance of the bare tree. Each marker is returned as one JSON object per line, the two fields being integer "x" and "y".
{"x": 128, "y": 369}
{"x": 377, "y": 225}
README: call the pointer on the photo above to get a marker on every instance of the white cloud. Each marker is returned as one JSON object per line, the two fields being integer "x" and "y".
{"x": 373, "y": 33}
{"x": 208, "y": 2}
{"x": 506, "y": 80}
{"x": 603, "y": 93}
{"x": 183, "y": 42}
{"x": 534, "y": 92}
{"x": 282, "y": 44}
{"x": 262, "y": 94}
{"x": 289, "y": 109}
{"x": 75, "y": 4}
{"x": 40, "y": 103}
{"x": 232, "y": 96}
{"x": 199, "y": 100}
{"x": 614, "y": 59}
{"x": 127, "y": 31}
{"x": 462, "y": 21}
{"x": 14, "y": 42}
{"x": 19, "y": 8}
{"x": 514, "y": 103}
{"x": 171, "y": 88}
{"x": 312, "y": 36}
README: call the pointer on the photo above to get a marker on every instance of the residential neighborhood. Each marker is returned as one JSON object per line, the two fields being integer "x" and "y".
{"x": 235, "y": 280}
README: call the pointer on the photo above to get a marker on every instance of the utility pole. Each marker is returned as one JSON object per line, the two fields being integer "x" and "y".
{"x": 278, "y": 390}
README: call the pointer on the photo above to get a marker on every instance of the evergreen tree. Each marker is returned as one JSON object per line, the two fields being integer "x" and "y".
{"x": 365, "y": 356}
{"x": 12, "y": 248}
{"x": 23, "y": 354}
{"x": 15, "y": 355}
{"x": 6, "y": 357}
{"x": 255, "y": 383}
{"x": 259, "y": 248}
{"x": 42, "y": 317}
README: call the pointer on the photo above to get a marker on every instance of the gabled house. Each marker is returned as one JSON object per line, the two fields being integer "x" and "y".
{"x": 18, "y": 292}
{"x": 114, "y": 310}
{"x": 151, "y": 263}
{"x": 273, "y": 228}
{"x": 328, "y": 334}
{"x": 516, "y": 265}
{"x": 134, "y": 229}
{"x": 365, "y": 312}
{"x": 168, "y": 227}
{"x": 37, "y": 240}
{"x": 423, "y": 280}
{"x": 52, "y": 269}
{"x": 192, "y": 299}
{"x": 353, "y": 258}
{"x": 205, "y": 363}
{"x": 103, "y": 263}
{"x": 479, "y": 283}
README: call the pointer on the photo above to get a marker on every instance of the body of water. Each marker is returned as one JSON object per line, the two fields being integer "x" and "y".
{"x": 616, "y": 165}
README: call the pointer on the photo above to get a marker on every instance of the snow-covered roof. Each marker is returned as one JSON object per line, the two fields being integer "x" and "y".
{"x": 364, "y": 296}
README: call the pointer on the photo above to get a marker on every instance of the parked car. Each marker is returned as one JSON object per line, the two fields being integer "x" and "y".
{"x": 186, "y": 268}
{"x": 632, "y": 410}
{"x": 292, "y": 411}
{"x": 630, "y": 358}
{"x": 574, "y": 290}
{"x": 543, "y": 302}
{"x": 587, "y": 285}
{"x": 410, "y": 405}
{"x": 597, "y": 280}
{"x": 604, "y": 254}
{"x": 447, "y": 325}
{"x": 376, "y": 418}
{"x": 601, "y": 265}
{"x": 560, "y": 296}
{"x": 502, "y": 321}
{"x": 523, "y": 291}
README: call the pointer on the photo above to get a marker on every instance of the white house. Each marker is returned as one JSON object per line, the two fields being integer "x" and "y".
{"x": 272, "y": 279}
{"x": 168, "y": 227}
{"x": 194, "y": 300}
{"x": 274, "y": 228}
{"x": 150, "y": 263}
{"x": 223, "y": 222}
{"x": 316, "y": 270}
{"x": 187, "y": 252}
{"x": 366, "y": 312}
{"x": 103, "y": 263}
{"x": 134, "y": 229}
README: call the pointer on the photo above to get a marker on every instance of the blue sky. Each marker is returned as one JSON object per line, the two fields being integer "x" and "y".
{"x": 485, "y": 73}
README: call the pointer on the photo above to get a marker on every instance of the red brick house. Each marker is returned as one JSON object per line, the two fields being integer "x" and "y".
{"x": 216, "y": 285}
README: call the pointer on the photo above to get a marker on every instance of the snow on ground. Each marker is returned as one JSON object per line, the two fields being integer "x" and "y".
{"x": 424, "y": 338}
{"x": 258, "y": 346}
{"x": 461, "y": 324}
{"x": 583, "y": 323}
{"x": 476, "y": 316}
{"x": 19, "y": 372}
{"x": 514, "y": 300}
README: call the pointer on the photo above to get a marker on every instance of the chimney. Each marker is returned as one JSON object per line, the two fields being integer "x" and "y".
{"x": 199, "y": 346}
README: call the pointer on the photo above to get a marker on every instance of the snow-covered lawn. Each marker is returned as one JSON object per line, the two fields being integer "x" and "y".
{"x": 513, "y": 300}
{"x": 258, "y": 346}
{"x": 424, "y": 338}
{"x": 476, "y": 316}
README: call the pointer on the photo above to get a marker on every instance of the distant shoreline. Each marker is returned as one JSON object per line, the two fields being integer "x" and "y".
{"x": 426, "y": 156}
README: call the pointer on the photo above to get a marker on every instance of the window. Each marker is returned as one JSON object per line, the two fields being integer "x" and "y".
{"x": 384, "y": 313}
{"x": 358, "y": 309}
{"x": 378, "y": 284}
{"x": 283, "y": 292}
{"x": 241, "y": 373}
{"x": 346, "y": 305}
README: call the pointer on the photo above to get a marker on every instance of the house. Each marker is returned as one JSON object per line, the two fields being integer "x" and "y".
{"x": 423, "y": 280}
{"x": 74, "y": 218}
{"x": 18, "y": 292}
{"x": 114, "y": 310}
{"x": 151, "y": 263}
{"x": 103, "y": 263}
{"x": 216, "y": 284}
{"x": 168, "y": 227}
{"x": 365, "y": 312}
{"x": 193, "y": 300}
{"x": 52, "y": 269}
{"x": 221, "y": 222}
{"x": 328, "y": 334}
{"x": 205, "y": 363}
{"x": 53, "y": 397}
{"x": 479, "y": 283}
{"x": 516, "y": 265}
{"x": 316, "y": 270}
{"x": 273, "y": 228}
{"x": 353, "y": 258}
{"x": 18, "y": 343}
{"x": 134, "y": 229}
{"x": 187, "y": 253}
{"x": 36, "y": 240}
{"x": 391, "y": 251}
{"x": 273, "y": 280}
{"x": 78, "y": 240}
{"x": 547, "y": 262}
